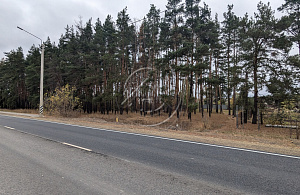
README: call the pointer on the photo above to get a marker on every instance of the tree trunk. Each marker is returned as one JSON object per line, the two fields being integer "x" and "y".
{"x": 254, "y": 119}
{"x": 201, "y": 94}
{"x": 228, "y": 82}
{"x": 233, "y": 101}
{"x": 246, "y": 100}
{"x": 217, "y": 84}
{"x": 210, "y": 85}
{"x": 234, "y": 74}
{"x": 228, "y": 102}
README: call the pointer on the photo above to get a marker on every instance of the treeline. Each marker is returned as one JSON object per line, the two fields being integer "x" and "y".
{"x": 182, "y": 57}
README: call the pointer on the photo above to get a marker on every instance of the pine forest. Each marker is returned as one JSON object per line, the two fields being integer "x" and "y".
{"x": 182, "y": 59}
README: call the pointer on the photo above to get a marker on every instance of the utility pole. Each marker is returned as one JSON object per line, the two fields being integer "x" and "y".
{"x": 41, "y": 109}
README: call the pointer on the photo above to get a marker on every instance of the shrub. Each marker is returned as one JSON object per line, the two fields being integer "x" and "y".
{"x": 63, "y": 102}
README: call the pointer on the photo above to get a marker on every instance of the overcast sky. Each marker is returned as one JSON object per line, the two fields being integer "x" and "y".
{"x": 50, "y": 17}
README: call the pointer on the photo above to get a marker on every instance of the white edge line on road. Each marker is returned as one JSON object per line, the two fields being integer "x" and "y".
{"x": 64, "y": 143}
{"x": 169, "y": 139}
{"x": 82, "y": 148}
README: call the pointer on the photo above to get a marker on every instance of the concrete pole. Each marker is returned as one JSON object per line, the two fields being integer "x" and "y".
{"x": 42, "y": 72}
{"x": 42, "y": 81}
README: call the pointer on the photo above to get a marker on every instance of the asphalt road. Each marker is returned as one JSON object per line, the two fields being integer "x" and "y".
{"x": 157, "y": 165}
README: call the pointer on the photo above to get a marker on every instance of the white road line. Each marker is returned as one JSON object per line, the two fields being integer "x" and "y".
{"x": 9, "y": 127}
{"x": 169, "y": 139}
{"x": 82, "y": 148}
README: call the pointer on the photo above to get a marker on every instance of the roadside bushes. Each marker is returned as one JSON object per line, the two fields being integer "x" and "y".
{"x": 63, "y": 102}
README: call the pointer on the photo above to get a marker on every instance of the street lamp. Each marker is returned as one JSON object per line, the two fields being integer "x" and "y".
{"x": 42, "y": 71}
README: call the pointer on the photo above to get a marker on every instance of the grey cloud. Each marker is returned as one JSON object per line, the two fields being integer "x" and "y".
{"x": 50, "y": 17}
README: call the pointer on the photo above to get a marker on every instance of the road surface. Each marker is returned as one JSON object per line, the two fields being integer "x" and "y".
{"x": 131, "y": 163}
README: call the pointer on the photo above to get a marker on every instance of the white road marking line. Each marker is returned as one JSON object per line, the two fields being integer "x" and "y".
{"x": 9, "y": 127}
{"x": 166, "y": 138}
{"x": 89, "y": 150}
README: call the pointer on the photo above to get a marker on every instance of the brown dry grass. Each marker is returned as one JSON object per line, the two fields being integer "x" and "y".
{"x": 217, "y": 129}
{"x": 26, "y": 111}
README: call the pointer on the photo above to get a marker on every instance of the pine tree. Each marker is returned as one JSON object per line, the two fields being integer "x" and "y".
{"x": 32, "y": 72}
{"x": 174, "y": 17}
{"x": 98, "y": 53}
{"x": 12, "y": 80}
{"x": 110, "y": 71}
{"x": 125, "y": 35}
{"x": 230, "y": 38}
{"x": 153, "y": 22}
{"x": 52, "y": 75}
{"x": 257, "y": 41}
{"x": 292, "y": 7}
{"x": 205, "y": 31}
{"x": 192, "y": 19}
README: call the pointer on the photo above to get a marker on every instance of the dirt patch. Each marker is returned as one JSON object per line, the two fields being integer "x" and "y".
{"x": 218, "y": 129}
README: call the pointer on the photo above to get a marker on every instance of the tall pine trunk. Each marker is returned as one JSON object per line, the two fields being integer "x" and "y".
{"x": 228, "y": 82}
{"x": 217, "y": 85}
{"x": 254, "y": 119}
{"x": 246, "y": 100}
